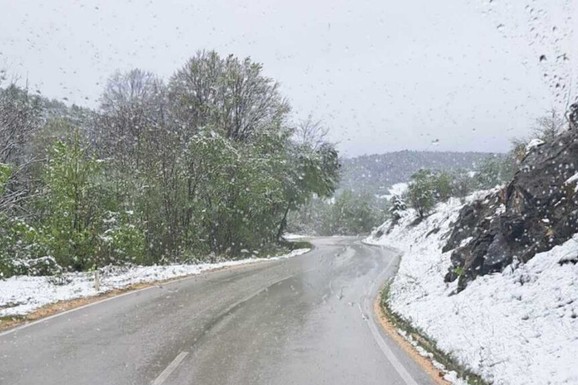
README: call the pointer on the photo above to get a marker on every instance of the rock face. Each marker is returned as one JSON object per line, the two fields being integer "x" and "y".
{"x": 536, "y": 211}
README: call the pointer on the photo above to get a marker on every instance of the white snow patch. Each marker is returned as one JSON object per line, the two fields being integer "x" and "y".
{"x": 290, "y": 237}
{"x": 573, "y": 179}
{"x": 515, "y": 327}
{"x": 397, "y": 189}
{"x": 465, "y": 241}
{"x": 22, "y": 294}
{"x": 533, "y": 144}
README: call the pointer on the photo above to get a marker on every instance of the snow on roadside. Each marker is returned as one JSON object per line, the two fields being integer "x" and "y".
{"x": 515, "y": 327}
{"x": 22, "y": 294}
{"x": 293, "y": 237}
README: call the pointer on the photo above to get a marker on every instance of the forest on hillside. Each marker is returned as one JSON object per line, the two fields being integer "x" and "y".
{"x": 373, "y": 188}
{"x": 375, "y": 174}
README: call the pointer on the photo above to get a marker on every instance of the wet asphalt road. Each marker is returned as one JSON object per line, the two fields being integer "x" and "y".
{"x": 304, "y": 320}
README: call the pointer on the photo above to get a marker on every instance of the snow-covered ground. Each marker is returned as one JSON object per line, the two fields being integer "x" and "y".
{"x": 295, "y": 237}
{"x": 515, "y": 327}
{"x": 22, "y": 294}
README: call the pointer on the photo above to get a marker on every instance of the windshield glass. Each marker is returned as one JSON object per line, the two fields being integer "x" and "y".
{"x": 251, "y": 192}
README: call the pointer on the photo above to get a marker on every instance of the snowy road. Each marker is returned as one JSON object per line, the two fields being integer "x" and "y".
{"x": 304, "y": 320}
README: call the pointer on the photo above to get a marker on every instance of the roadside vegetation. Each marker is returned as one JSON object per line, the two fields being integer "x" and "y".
{"x": 351, "y": 212}
{"x": 347, "y": 213}
{"x": 359, "y": 211}
{"x": 429, "y": 345}
{"x": 206, "y": 165}
{"x": 428, "y": 187}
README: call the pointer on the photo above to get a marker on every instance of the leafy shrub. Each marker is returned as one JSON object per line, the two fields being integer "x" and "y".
{"x": 122, "y": 241}
{"x": 421, "y": 192}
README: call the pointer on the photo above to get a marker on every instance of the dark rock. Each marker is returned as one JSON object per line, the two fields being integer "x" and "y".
{"x": 435, "y": 230}
{"x": 568, "y": 260}
{"x": 451, "y": 276}
{"x": 497, "y": 255}
{"x": 541, "y": 211}
{"x": 470, "y": 219}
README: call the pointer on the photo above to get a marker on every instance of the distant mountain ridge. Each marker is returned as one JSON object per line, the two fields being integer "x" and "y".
{"x": 376, "y": 173}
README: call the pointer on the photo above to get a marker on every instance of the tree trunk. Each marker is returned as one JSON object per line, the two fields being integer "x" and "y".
{"x": 283, "y": 223}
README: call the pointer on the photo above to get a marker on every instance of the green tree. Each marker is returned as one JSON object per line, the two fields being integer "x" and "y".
{"x": 5, "y": 241}
{"x": 313, "y": 171}
{"x": 462, "y": 183}
{"x": 442, "y": 183}
{"x": 227, "y": 95}
{"x": 81, "y": 223}
{"x": 421, "y": 192}
{"x": 72, "y": 212}
{"x": 495, "y": 171}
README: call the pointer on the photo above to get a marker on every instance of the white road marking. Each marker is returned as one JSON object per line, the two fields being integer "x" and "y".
{"x": 170, "y": 369}
{"x": 389, "y": 354}
{"x": 398, "y": 366}
{"x": 360, "y": 310}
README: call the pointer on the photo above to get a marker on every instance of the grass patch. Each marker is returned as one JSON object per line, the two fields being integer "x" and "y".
{"x": 427, "y": 343}
{"x": 8, "y": 322}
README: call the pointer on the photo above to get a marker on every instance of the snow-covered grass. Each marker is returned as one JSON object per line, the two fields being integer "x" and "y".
{"x": 515, "y": 327}
{"x": 22, "y": 294}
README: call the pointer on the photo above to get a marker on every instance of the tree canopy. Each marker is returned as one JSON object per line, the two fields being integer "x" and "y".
{"x": 207, "y": 165}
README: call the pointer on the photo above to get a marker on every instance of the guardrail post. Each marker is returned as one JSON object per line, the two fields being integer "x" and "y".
{"x": 96, "y": 280}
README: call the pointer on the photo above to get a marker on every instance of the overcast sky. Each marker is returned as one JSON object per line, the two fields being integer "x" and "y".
{"x": 382, "y": 75}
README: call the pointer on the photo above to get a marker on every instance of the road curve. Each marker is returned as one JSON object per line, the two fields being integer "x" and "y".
{"x": 304, "y": 320}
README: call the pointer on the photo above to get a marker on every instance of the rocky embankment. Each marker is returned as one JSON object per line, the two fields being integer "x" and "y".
{"x": 536, "y": 211}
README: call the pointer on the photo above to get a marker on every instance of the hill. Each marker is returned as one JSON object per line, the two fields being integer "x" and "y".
{"x": 376, "y": 173}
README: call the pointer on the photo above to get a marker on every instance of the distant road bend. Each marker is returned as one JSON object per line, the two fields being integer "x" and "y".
{"x": 303, "y": 320}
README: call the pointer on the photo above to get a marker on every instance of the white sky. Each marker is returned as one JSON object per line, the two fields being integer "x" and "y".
{"x": 382, "y": 75}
